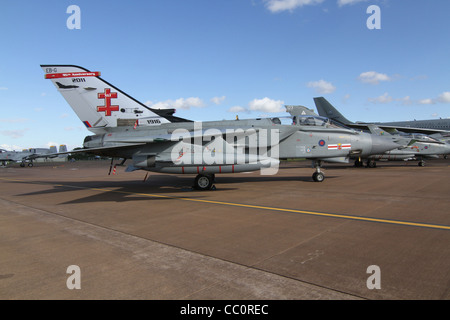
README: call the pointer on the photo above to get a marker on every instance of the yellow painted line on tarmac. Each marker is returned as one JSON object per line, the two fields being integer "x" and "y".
{"x": 242, "y": 205}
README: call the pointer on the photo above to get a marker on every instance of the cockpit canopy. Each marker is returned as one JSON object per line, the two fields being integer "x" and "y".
{"x": 421, "y": 137}
{"x": 307, "y": 120}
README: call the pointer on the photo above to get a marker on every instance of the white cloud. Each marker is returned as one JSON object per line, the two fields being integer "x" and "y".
{"x": 427, "y": 101}
{"x": 266, "y": 105}
{"x": 373, "y": 77}
{"x": 283, "y": 5}
{"x": 322, "y": 86}
{"x": 16, "y": 120}
{"x": 237, "y": 109}
{"x": 218, "y": 100}
{"x": 346, "y": 98}
{"x": 385, "y": 98}
{"x": 444, "y": 97}
{"x": 15, "y": 134}
{"x": 346, "y": 2}
{"x": 3, "y": 88}
{"x": 406, "y": 100}
{"x": 180, "y": 103}
{"x": 11, "y": 147}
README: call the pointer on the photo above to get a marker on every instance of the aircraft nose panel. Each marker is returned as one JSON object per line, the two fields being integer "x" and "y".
{"x": 381, "y": 144}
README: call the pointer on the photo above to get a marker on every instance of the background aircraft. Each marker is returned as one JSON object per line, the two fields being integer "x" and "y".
{"x": 155, "y": 140}
{"x": 325, "y": 109}
{"x": 414, "y": 147}
{"x": 28, "y": 155}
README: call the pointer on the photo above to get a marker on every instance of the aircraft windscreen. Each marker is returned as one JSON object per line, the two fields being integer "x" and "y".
{"x": 422, "y": 137}
{"x": 282, "y": 120}
{"x": 316, "y": 121}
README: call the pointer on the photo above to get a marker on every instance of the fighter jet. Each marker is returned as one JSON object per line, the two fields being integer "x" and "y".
{"x": 434, "y": 126}
{"x": 26, "y": 156}
{"x": 156, "y": 140}
{"x": 415, "y": 146}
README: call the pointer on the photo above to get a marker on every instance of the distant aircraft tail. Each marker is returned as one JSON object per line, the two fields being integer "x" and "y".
{"x": 374, "y": 129}
{"x": 62, "y": 148}
{"x": 99, "y": 104}
{"x": 325, "y": 109}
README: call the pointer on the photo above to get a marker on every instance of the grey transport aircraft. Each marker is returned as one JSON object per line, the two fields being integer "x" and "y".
{"x": 156, "y": 140}
{"x": 433, "y": 126}
{"x": 26, "y": 157}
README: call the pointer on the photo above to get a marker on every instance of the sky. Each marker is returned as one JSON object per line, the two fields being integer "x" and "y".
{"x": 215, "y": 59}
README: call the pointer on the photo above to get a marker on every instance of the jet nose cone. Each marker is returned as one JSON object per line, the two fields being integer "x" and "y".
{"x": 382, "y": 144}
{"x": 446, "y": 149}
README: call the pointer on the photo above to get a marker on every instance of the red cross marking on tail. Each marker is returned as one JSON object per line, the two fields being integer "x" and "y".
{"x": 107, "y": 108}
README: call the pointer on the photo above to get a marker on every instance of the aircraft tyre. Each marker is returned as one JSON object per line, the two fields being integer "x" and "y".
{"x": 22, "y": 164}
{"x": 30, "y": 164}
{"x": 358, "y": 163}
{"x": 204, "y": 182}
{"x": 318, "y": 176}
{"x": 371, "y": 164}
{"x": 421, "y": 163}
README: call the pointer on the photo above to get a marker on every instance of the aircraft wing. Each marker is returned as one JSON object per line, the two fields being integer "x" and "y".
{"x": 202, "y": 135}
{"x": 393, "y": 129}
{"x": 98, "y": 151}
{"x": 40, "y": 155}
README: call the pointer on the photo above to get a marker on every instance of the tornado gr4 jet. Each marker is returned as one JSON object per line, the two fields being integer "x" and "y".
{"x": 156, "y": 140}
{"x": 415, "y": 146}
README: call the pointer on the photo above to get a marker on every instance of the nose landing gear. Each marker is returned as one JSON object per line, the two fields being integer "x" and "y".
{"x": 318, "y": 176}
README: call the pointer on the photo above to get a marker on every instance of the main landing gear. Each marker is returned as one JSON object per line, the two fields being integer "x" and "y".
{"x": 30, "y": 164}
{"x": 369, "y": 164}
{"x": 318, "y": 176}
{"x": 204, "y": 182}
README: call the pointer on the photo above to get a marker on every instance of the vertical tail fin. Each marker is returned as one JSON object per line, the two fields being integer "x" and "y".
{"x": 325, "y": 109}
{"x": 63, "y": 148}
{"x": 99, "y": 104}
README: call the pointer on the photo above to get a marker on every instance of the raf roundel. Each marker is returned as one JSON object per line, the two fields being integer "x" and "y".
{"x": 321, "y": 143}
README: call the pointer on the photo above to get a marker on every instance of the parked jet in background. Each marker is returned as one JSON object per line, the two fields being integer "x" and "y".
{"x": 442, "y": 126}
{"x": 28, "y": 155}
{"x": 155, "y": 140}
{"x": 415, "y": 147}
{"x": 412, "y": 146}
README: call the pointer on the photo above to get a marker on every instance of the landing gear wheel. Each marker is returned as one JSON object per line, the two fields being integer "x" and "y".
{"x": 318, "y": 176}
{"x": 30, "y": 164}
{"x": 358, "y": 163}
{"x": 204, "y": 182}
{"x": 371, "y": 164}
{"x": 421, "y": 163}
